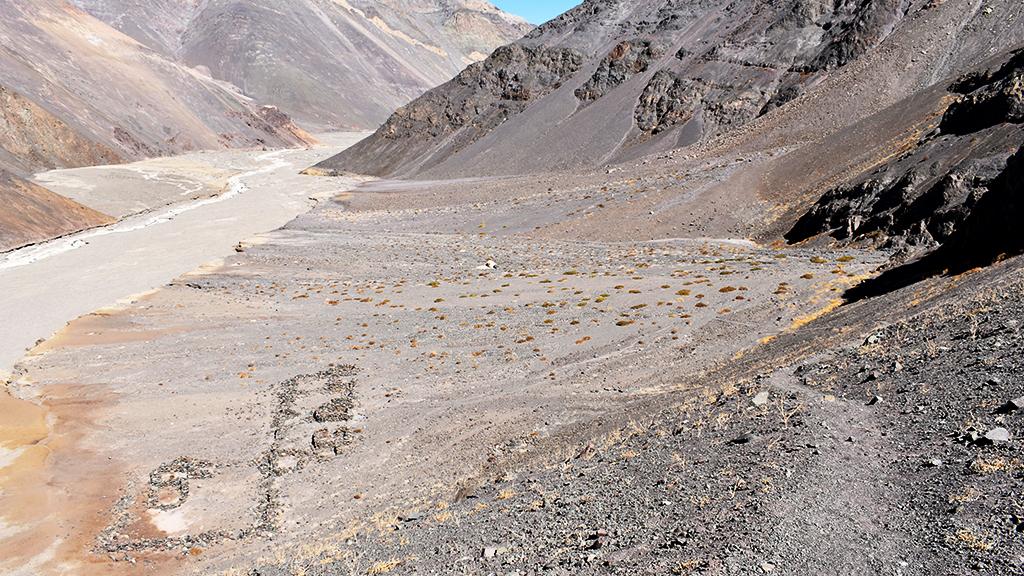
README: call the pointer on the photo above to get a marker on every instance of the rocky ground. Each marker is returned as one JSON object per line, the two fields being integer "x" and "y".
{"x": 883, "y": 447}
{"x": 486, "y": 376}
{"x": 407, "y": 380}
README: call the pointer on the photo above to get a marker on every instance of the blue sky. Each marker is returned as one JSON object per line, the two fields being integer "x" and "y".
{"x": 536, "y": 11}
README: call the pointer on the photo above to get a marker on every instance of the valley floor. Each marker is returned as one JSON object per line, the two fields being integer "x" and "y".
{"x": 406, "y": 381}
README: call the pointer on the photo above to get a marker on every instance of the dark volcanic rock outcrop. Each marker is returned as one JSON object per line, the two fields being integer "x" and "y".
{"x": 850, "y": 27}
{"x": 652, "y": 75}
{"x": 991, "y": 97}
{"x": 477, "y": 101}
{"x": 492, "y": 90}
{"x": 925, "y": 197}
{"x": 666, "y": 101}
{"x": 992, "y": 229}
{"x": 626, "y": 60}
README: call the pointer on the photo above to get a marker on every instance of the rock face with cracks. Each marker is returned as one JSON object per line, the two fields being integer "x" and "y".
{"x": 648, "y": 74}
{"x": 964, "y": 171}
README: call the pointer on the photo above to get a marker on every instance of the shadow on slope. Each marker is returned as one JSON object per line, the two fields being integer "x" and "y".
{"x": 954, "y": 195}
{"x": 990, "y": 233}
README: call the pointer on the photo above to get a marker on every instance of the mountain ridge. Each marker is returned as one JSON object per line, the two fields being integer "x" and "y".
{"x": 318, "y": 60}
{"x": 660, "y": 75}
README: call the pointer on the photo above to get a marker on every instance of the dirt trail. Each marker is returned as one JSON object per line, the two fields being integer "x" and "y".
{"x": 837, "y": 518}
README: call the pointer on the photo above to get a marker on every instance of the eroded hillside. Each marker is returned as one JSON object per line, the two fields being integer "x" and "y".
{"x": 329, "y": 64}
{"x": 75, "y": 92}
{"x": 31, "y": 212}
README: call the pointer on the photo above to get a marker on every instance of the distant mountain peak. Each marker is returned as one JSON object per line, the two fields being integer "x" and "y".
{"x": 335, "y": 64}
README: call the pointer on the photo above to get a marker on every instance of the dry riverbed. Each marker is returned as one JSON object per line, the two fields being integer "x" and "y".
{"x": 178, "y": 214}
{"x": 49, "y": 284}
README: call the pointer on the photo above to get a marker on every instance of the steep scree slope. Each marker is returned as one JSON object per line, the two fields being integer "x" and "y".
{"x": 656, "y": 73}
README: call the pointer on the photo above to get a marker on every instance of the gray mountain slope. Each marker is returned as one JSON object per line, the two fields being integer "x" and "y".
{"x": 329, "y": 64}
{"x": 76, "y": 92}
{"x": 73, "y": 84}
{"x": 658, "y": 74}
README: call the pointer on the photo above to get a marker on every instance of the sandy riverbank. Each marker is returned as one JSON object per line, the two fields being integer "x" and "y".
{"x": 49, "y": 284}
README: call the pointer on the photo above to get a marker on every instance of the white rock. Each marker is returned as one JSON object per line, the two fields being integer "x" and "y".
{"x": 998, "y": 435}
{"x": 761, "y": 399}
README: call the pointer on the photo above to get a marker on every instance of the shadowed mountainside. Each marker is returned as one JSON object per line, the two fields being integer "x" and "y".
{"x": 952, "y": 199}
{"x": 922, "y": 198}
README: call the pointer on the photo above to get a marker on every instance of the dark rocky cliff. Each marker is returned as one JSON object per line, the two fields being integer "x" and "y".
{"x": 644, "y": 76}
